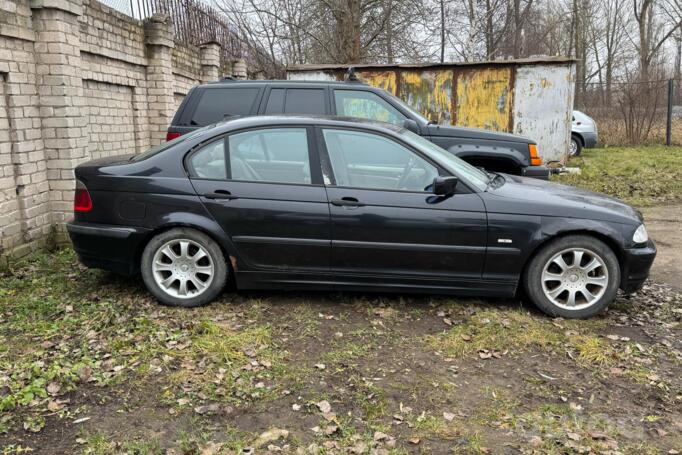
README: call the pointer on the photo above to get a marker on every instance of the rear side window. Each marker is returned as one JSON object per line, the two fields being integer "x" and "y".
{"x": 278, "y": 155}
{"x": 209, "y": 161}
{"x": 304, "y": 101}
{"x": 296, "y": 101}
{"x": 217, "y": 103}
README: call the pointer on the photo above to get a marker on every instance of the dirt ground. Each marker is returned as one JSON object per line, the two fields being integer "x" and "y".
{"x": 664, "y": 224}
{"x": 90, "y": 364}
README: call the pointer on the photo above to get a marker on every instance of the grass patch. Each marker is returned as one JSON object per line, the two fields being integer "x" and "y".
{"x": 640, "y": 176}
{"x": 496, "y": 330}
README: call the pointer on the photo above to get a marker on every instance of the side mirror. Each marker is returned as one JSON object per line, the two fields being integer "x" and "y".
{"x": 411, "y": 125}
{"x": 445, "y": 186}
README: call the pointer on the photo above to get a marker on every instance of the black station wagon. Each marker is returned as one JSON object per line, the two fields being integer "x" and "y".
{"x": 314, "y": 203}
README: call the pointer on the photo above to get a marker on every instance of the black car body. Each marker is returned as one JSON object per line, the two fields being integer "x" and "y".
{"x": 446, "y": 227}
{"x": 212, "y": 102}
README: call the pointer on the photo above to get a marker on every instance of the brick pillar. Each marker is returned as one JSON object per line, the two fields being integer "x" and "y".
{"x": 60, "y": 93}
{"x": 210, "y": 62}
{"x": 158, "y": 32}
{"x": 239, "y": 69}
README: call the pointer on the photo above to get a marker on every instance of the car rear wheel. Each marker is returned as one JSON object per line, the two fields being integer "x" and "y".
{"x": 573, "y": 277}
{"x": 576, "y": 147}
{"x": 183, "y": 267}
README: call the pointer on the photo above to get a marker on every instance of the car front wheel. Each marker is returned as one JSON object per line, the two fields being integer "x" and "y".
{"x": 573, "y": 277}
{"x": 183, "y": 267}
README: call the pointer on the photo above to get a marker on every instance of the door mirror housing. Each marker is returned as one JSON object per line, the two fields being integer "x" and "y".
{"x": 411, "y": 125}
{"x": 445, "y": 185}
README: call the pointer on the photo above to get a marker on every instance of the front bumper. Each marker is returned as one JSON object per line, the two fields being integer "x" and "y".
{"x": 537, "y": 172}
{"x": 108, "y": 247}
{"x": 636, "y": 265}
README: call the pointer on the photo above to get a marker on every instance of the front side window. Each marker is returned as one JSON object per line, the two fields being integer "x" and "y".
{"x": 368, "y": 105}
{"x": 366, "y": 160}
{"x": 277, "y": 155}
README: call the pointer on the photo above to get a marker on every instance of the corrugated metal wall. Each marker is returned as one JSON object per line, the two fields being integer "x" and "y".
{"x": 533, "y": 98}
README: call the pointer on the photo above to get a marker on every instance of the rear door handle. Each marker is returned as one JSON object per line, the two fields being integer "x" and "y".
{"x": 347, "y": 202}
{"x": 220, "y": 194}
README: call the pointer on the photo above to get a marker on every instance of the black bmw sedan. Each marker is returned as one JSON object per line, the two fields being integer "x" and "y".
{"x": 311, "y": 203}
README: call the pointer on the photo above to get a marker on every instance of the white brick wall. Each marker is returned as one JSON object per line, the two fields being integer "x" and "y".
{"x": 79, "y": 80}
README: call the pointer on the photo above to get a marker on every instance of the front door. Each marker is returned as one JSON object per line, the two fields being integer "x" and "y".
{"x": 263, "y": 186}
{"x": 387, "y": 227}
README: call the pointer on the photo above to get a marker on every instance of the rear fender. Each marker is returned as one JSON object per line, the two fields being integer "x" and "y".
{"x": 204, "y": 224}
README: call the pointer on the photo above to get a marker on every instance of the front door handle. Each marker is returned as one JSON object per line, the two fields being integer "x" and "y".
{"x": 220, "y": 194}
{"x": 347, "y": 202}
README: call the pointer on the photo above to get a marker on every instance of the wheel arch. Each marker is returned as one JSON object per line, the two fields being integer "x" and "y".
{"x": 192, "y": 221}
{"x": 579, "y": 136}
{"x": 610, "y": 241}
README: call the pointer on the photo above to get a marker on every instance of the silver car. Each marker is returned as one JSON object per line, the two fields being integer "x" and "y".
{"x": 583, "y": 133}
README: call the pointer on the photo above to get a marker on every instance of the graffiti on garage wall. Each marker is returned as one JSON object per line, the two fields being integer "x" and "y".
{"x": 532, "y": 97}
{"x": 429, "y": 92}
{"x": 484, "y": 98}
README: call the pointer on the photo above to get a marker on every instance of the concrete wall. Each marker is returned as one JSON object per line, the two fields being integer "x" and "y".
{"x": 531, "y": 97}
{"x": 79, "y": 80}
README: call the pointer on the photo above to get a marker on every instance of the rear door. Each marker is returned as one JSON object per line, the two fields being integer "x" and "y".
{"x": 264, "y": 187}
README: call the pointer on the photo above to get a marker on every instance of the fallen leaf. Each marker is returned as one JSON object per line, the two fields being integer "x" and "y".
{"x": 271, "y": 435}
{"x": 415, "y": 441}
{"x": 324, "y": 406}
{"x": 448, "y": 416}
{"x": 320, "y": 366}
{"x": 379, "y": 436}
{"x": 211, "y": 408}
{"x": 53, "y": 388}
{"x": 574, "y": 436}
{"x": 296, "y": 407}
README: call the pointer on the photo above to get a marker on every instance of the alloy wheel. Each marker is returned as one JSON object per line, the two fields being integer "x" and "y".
{"x": 575, "y": 278}
{"x": 182, "y": 268}
{"x": 573, "y": 151}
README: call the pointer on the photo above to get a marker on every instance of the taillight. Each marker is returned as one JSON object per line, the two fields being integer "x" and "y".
{"x": 81, "y": 199}
{"x": 170, "y": 136}
{"x": 535, "y": 159}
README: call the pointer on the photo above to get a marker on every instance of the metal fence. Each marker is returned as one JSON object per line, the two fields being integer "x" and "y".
{"x": 635, "y": 112}
{"x": 196, "y": 23}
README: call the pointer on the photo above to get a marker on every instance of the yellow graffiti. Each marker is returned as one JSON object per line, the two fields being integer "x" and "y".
{"x": 484, "y": 99}
{"x": 430, "y": 92}
{"x": 381, "y": 79}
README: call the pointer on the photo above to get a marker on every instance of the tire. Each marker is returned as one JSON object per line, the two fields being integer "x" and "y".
{"x": 544, "y": 277}
{"x": 576, "y": 147}
{"x": 173, "y": 254}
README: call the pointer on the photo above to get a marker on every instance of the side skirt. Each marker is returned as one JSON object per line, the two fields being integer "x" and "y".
{"x": 340, "y": 282}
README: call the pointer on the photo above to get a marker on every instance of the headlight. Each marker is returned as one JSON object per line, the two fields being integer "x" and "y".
{"x": 640, "y": 235}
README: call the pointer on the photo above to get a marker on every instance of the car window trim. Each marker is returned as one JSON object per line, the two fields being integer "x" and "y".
{"x": 313, "y": 154}
{"x": 323, "y": 150}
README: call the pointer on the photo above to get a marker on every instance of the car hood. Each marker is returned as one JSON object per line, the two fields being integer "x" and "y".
{"x": 474, "y": 133}
{"x": 539, "y": 197}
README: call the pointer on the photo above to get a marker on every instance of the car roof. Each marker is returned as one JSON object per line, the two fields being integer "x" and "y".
{"x": 237, "y": 123}
{"x": 276, "y": 82}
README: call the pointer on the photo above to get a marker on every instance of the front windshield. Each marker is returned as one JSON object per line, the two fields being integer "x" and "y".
{"x": 165, "y": 145}
{"x": 408, "y": 108}
{"x": 457, "y": 166}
